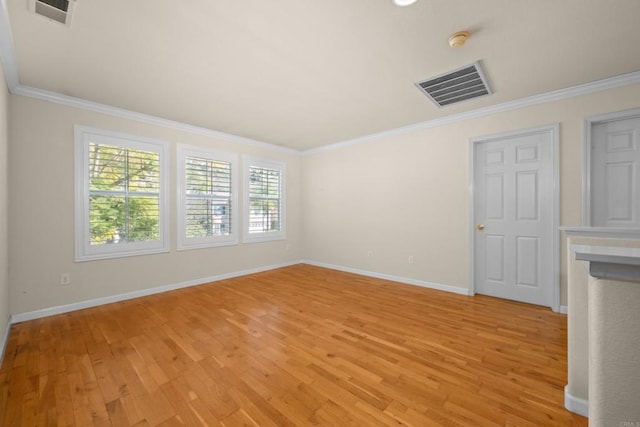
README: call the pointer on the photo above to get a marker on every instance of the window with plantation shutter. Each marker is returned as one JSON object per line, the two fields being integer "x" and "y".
{"x": 120, "y": 195}
{"x": 207, "y": 198}
{"x": 264, "y": 200}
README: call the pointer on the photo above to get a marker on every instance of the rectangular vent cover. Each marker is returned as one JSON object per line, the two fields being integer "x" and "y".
{"x": 459, "y": 85}
{"x": 56, "y": 10}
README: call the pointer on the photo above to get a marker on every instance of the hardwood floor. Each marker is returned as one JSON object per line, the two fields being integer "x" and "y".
{"x": 295, "y": 346}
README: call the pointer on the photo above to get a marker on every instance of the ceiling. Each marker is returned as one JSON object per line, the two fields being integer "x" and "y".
{"x": 305, "y": 73}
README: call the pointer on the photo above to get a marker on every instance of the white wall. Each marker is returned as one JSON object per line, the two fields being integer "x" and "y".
{"x": 41, "y": 214}
{"x": 4, "y": 188}
{"x": 393, "y": 197}
{"x": 408, "y": 195}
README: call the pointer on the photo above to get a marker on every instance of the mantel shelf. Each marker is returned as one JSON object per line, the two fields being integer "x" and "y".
{"x": 610, "y": 262}
{"x": 605, "y": 232}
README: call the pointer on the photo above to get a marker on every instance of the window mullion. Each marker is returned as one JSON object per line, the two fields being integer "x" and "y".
{"x": 210, "y": 194}
{"x": 126, "y": 197}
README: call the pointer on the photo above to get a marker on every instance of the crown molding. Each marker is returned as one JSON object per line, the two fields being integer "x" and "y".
{"x": 570, "y": 92}
{"x": 7, "y": 55}
{"x": 71, "y": 101}
{"x": 556, "y": 95}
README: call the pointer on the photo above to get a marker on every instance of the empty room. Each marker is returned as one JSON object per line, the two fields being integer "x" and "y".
{"x": 337, "y": 213}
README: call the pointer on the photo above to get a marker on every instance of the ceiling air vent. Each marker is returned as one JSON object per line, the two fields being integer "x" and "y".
{"x": 459, "y": 85}
{"x": 56, "y": 10}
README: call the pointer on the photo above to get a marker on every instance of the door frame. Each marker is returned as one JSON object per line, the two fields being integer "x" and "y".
{"x": 588, "y": 125}
{"x": 554, "y": 129}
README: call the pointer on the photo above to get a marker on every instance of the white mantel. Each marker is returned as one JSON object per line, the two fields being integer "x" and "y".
{"x": 602, "y": 232}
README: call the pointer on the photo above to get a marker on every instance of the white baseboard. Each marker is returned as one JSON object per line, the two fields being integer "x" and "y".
{"x": 22, "y": 317}
{"x": 51, "y": 311}
{"x": 564, "y": 309}
{"x": 575, "y": 404}
{"x": 415, "y": 282}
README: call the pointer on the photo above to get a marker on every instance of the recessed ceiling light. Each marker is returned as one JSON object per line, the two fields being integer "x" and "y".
{"x": 403, "y": 2}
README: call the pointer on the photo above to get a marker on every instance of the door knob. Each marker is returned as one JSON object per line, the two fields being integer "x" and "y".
{"x": 480, "y": 227}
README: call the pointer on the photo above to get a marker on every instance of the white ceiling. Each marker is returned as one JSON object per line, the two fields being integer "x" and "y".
{"x": 305, "y": 73}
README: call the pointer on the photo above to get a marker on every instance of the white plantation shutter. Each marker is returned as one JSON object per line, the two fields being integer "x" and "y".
{"x": 264, "y": 200}
{"x": 207, "y": 199}
{"x": 120, "y": 195}
{"x": 124, "y": 194}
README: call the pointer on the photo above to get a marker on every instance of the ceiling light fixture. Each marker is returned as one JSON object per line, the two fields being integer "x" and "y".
{"x": 403, "y": 2}
{"x": 458, "y": 39}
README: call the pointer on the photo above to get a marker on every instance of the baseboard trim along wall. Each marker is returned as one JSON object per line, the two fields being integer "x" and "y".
{"x": 579, "y": 406}
{"x": 575, "y": 404}
{"x": 405, "y": 280}
{"x": 37, "y": 314}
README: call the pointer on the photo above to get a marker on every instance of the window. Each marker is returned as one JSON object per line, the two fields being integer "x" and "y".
{"x": 264, "y": 200}
{"x": 207, "y": 198}
{"x": 120, "y": 195}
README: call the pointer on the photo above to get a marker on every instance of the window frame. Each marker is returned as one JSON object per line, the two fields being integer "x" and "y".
{"x": 84, "y": 251}
{"x": 184, "y": 242}
{"x": 265, "y": 236}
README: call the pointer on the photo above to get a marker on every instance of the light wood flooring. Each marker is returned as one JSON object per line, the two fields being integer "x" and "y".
{"x": 295, "y": 346}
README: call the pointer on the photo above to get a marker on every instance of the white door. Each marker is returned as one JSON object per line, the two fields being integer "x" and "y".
{"x": 615, "y": 173}
{"x": 514, "y": 216}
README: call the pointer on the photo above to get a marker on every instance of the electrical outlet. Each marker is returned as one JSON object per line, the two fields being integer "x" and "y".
{"x": 65, "y": 279}
{"x": 410, "y": 259}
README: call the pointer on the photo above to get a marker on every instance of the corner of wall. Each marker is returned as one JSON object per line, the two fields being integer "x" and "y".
{"x": 5, "y": 339}
{"x": 4, "y": 189}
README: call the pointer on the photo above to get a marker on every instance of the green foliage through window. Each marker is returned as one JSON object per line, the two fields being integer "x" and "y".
{"x": 124, "y": 194}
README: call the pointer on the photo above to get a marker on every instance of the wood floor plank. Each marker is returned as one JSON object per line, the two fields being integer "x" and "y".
{"x": 300, "y": 345}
